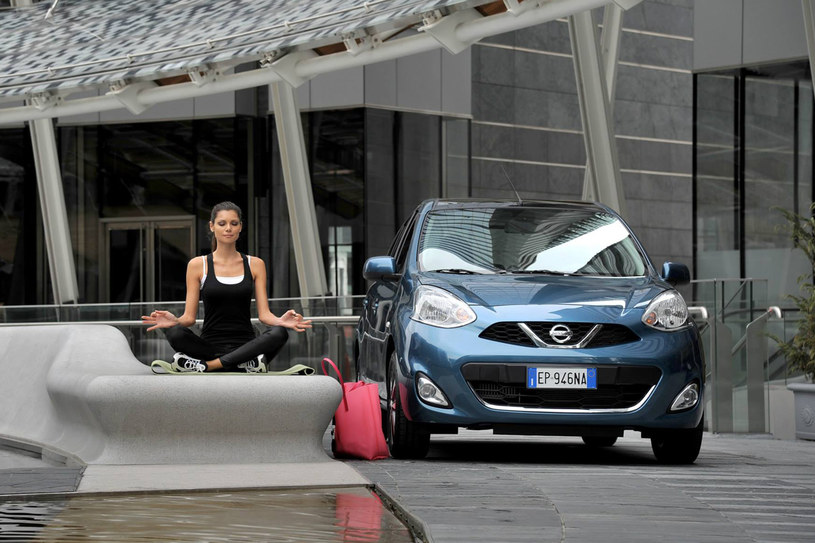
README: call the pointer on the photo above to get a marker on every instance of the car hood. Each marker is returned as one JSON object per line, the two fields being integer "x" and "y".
{"x": 500, "y": 290}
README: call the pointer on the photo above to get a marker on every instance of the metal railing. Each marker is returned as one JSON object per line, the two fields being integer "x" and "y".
{"x": 744, "y": 366}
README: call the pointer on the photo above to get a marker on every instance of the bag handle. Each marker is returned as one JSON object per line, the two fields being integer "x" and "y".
{"x": 339, "y": 376}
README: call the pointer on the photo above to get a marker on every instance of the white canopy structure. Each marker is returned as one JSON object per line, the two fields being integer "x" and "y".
{"x": 138, "y": 53}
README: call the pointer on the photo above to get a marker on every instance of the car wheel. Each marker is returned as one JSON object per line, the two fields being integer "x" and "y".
{"x": 599, "y": 441}
{"x": 678, "y": 446}
{"x": 406, "y": 439}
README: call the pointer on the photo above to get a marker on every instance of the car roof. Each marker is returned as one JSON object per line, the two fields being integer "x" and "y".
{"x": 438, "y": 203}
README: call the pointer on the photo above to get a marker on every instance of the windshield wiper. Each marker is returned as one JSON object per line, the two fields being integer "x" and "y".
{"x": 456, "y": 270}
{"x": 541, "y": 272}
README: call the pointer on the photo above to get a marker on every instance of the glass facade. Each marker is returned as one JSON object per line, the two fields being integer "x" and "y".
{"x": 21, "y": 268}
{"x": 753, "y": 153}
{"x": 138, "y": 197}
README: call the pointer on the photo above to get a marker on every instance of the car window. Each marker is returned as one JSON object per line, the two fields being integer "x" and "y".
{"x": 521, "y": 239}
{"x": 401, "y": 243}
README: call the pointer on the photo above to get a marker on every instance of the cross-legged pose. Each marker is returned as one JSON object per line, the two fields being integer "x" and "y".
{"x": 225, "y": 280}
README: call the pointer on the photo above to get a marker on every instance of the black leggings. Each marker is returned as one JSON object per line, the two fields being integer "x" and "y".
{"x": 269, "y": 343}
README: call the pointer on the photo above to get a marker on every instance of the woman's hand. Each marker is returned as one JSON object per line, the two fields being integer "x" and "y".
{"x": 294, "y": 320}
{"x": 159, "y": 319}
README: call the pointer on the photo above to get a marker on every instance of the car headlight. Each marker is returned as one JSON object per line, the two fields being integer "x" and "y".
{"x": 437, "y": 307}
{"x": 668, "y": 311}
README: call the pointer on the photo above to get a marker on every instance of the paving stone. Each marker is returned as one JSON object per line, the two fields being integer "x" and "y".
{"x": 475, "y": 487}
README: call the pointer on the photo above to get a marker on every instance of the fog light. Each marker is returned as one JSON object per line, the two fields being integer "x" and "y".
{"x": 429, "y": 392}
{"x": 688, "y": 398}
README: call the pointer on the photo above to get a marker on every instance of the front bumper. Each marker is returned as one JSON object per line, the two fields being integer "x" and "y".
{"x": 657, "y": 367}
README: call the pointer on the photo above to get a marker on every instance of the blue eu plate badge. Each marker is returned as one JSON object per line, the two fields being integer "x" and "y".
{"x": 591, "y": 378}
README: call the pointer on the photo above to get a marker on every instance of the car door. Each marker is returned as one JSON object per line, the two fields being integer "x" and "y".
{"x": 378, "y": 307}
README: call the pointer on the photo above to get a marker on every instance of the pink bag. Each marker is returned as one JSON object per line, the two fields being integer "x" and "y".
{"x": 358, "y": 421}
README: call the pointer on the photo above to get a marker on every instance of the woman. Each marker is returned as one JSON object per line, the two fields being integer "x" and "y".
{"x": 225, "y": 280}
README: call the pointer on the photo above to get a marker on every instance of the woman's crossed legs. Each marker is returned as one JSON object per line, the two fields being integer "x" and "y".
{"x": 269, "y": 343}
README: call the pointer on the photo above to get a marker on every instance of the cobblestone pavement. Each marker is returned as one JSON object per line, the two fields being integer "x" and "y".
{"x": 474, "y": 487}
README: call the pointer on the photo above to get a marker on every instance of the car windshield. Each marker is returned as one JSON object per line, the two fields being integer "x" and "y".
{"x": 555, "y": 240}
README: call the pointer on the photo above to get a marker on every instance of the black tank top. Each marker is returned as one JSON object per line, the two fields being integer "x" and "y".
{"x": 227, "y": 320}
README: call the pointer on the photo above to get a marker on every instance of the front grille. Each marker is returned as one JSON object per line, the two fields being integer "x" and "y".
{"x": 504, "y": 385}
{"x": 606, "y": 397}
{"x": 507, "y": 332}
{"x": 606, "y": 335}
{"x": 613, "y": 334}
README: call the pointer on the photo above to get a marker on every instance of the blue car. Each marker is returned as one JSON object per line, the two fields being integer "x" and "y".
{"x": 532, "y": 318}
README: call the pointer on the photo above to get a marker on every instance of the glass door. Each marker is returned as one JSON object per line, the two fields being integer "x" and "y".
{"x": 145, "y": 259}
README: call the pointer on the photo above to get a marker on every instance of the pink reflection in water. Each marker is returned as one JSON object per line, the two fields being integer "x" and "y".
{"x": 359, "y": 517}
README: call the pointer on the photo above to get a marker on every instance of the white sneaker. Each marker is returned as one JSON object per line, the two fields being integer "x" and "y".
{"x": 184, "y": 363}
{"x": 256, "y": 365}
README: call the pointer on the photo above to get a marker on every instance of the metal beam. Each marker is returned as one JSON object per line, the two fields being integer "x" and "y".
{"x": 598, "y": 124}
{"x": 54, "y": 212}
{"x": 609, "y": 52}
{"x": 52, "y": 205}
{"x": 302, "y": 216}
{"x": 809, "y": 27}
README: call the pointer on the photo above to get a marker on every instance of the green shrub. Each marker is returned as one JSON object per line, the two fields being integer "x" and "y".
{"x": 800, "y": 350}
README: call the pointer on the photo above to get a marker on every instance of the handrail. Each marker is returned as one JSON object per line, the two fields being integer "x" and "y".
{"x": 698, "y": 310}
{"x": 330, "y": 319}
{"x": 755, "y": 339}
{"x": 772, "y": 311}
{"x": 172, "y": 302}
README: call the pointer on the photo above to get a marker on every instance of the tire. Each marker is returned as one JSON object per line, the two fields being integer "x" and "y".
{"x": 406, "y": 439}
{"x": 599, "y": 441}
{"x": 678, "y": 446}
{"x": 356, "y": 359}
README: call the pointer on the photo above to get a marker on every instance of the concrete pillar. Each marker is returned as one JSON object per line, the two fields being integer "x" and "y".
{"x": 54, "y": 213}
{"x": 52, "y": 204}
{"x": 598, "y": 124}
{"x": 809, "y": 28}
{"x": 302, "y": 216}
{"x": 609, "y": 54}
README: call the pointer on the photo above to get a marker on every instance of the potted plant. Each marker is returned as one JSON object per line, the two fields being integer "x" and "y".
{"x": 800, "y": 350}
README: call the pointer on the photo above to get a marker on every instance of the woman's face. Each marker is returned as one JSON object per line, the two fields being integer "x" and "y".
{"x": 227, "y": 226}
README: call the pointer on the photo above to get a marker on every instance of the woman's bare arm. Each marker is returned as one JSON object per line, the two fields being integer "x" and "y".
{"x": 290, "y": 319}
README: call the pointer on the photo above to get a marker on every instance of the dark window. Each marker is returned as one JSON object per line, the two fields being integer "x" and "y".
{"x": 142, "y": 172}
{"x": 18, "y": 226}
{"x": 402, "y": 244}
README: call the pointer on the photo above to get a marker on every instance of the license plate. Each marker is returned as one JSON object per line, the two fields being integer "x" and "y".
{"x": 561, "y": 378}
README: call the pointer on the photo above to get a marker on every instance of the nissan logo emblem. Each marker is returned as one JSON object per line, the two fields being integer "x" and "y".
{"x": 560, "y": 333}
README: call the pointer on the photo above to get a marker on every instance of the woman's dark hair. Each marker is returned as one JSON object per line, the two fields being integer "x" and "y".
{"x": 217, "y": 208}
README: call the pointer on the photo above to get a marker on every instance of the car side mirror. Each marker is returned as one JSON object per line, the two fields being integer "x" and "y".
{"x": 379, "y": 267}
{"x": 675, "y": 273}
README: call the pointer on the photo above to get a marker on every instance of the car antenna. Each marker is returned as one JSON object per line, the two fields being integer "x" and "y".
{"x": 511, "y": 184}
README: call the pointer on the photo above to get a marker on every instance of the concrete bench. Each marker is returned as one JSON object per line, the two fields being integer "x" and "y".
{"x": 78, "y": 390}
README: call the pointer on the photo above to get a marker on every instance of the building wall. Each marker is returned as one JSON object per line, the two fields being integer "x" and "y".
{"x": 526, "y": 119}
{"x": 732, "y": 33}
{"x": 434, "y": 82}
